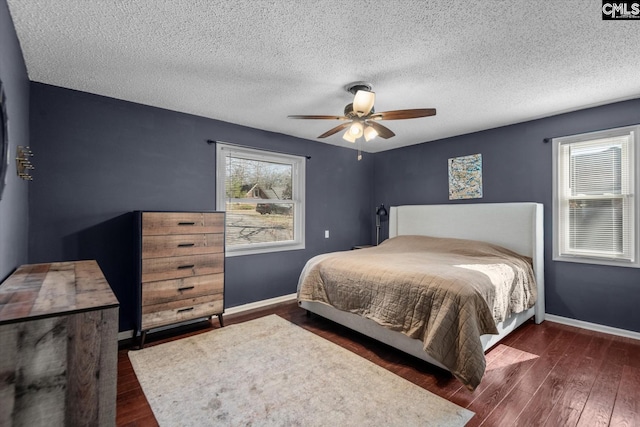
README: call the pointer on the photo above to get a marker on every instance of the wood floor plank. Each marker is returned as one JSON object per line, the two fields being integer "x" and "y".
{"x": 567, "y": 410}
{"x": 599, "y": 346}
{"x": 626, "y": 410}
{"x": 533, "y": 338}
{"x": 545, "y": 363}
{"x": 497, "y": 371}
{"x": 619, "y": 353}
{"x": 544, "y": 399}
{"x": 498, "y": 390}
{"x": 553, "y": 387}
{"x": 132, "y": 410}
{"x": 633, "y": 348}
{"x": 508, "y": 410}
{"x": 597, "y": 410}
{"x": 526, "y": 327}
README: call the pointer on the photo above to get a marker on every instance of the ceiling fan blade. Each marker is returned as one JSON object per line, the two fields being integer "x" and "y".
{"x": 404, "y": 114}
{"x": 335, "y": 130}
{"x": 383, "y": 131}
{"x": 319, "y": 117}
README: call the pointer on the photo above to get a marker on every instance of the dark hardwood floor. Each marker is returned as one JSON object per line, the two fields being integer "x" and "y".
{"x": 540, "y": 375}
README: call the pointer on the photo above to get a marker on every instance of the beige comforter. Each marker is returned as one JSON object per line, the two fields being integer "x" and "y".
{"x": 444, "y": 292}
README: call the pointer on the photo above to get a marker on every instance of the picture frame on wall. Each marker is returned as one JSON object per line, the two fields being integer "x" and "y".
{"x": 465, "y": 177}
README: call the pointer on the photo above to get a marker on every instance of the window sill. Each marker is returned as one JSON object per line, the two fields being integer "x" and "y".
{"x": 597, "y": 261}
{"x": 263, "y": 250}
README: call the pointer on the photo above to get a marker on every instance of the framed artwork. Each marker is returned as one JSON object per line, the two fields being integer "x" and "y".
{"x": 465, "y": 177}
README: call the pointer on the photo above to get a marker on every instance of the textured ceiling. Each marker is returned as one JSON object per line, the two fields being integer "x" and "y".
{"x": 480, "y": 63}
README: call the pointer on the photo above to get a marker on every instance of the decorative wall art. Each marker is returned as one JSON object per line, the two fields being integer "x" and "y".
{"x": 465, "y": 177}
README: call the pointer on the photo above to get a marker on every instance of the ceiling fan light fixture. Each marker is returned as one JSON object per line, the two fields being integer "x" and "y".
{"x": 356, "y": 130}
{"x": 369, "y": 133}
{"x": 349, "y": 137}
{"x": 363, "y": 102}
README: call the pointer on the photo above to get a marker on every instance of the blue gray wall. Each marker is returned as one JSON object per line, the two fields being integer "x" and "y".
{"x": 14, "y": 202}
{"x": 99, "y": 158}
{"x": 517, "y": 166}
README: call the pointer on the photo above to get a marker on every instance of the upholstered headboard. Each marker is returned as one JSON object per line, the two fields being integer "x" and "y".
{"x": 512, "y": 225}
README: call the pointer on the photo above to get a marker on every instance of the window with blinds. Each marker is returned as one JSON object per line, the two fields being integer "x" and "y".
{"x": 594, "y": 197}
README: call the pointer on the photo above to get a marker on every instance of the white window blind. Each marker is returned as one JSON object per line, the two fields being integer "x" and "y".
{"x": 594, "y": 203}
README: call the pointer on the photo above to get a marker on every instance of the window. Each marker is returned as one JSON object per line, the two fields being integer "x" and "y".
{"x": 594, "y": 202}
{"x": 263, "y": 196}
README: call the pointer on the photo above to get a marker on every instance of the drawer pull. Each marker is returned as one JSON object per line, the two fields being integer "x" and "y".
{"x": 182, "y": 310}
{"x": 187, "y": 223}
{"x": 184, "y": 267}
{"x": 186, "y": 245}
{"x": 186, "y": 288}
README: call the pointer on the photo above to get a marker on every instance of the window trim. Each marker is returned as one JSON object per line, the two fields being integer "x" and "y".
{"x": 298, "y": 196}
{"x": 634, "y": 158}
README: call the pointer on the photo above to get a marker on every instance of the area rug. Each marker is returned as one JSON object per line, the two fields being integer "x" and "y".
{"x": 270, "y": 372}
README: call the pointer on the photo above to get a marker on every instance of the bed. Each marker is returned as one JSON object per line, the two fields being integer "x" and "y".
{"x": 502, "y": 227}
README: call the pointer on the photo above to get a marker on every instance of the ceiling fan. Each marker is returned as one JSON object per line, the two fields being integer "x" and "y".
{"x": 362, "y": 118}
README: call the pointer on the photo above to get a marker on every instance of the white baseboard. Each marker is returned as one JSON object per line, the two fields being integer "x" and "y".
{"x": 592, "y": 326}
{"x": 259, "y": 304}
{"x": 125, "y": 335}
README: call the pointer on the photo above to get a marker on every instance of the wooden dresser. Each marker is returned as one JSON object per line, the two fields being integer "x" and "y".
{"x": 181, "y": 267}
{"x": 58, "y": 346}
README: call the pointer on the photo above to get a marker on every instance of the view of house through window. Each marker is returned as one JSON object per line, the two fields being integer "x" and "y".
{"x": 594, "y": 197}
{"x": 258, "y": 205}
{"x": 261, "y": 193}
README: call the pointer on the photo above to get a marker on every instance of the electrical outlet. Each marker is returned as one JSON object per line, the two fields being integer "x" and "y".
{"x": 326, "y": 234}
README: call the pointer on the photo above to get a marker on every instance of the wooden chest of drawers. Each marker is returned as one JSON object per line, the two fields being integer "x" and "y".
{"x": 181, "y": 267}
